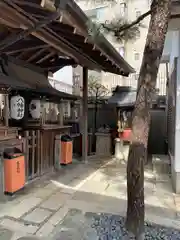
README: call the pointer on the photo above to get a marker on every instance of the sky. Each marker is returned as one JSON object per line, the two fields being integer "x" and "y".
{"x": 65, "y": 75}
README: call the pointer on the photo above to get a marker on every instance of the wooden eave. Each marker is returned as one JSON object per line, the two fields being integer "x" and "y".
{"x": 62, "y": 40}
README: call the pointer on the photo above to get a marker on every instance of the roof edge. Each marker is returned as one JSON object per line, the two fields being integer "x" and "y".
{"x": 82, "y": 18}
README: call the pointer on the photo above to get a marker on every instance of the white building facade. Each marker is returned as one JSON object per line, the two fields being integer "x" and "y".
{"x": 171, "y": 55}
{"x": 132, "y": 51}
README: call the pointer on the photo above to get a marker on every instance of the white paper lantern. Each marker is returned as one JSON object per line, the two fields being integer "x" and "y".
{"x": 35, "y": 108}
{"x": 17, "y": 107}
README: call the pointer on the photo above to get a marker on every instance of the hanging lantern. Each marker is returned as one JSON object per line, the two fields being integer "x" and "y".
{"x": 17, "y": 107}
{"x": 35, "y": 108}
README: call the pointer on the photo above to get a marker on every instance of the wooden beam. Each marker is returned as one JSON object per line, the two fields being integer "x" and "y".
{"x": 25, "y": 47}
{"x": 37, "y": 54}
{"x": 54, "y": 40}
{"x": 48, "y": 38}
{"x": 59, "y": 43}
{"x": 85, "y": 116}
{"x": 23, "y": 34}
{"x": 32, "y": 4}
{"x": 46, "y": 57}
{"x": 58, "y": 62}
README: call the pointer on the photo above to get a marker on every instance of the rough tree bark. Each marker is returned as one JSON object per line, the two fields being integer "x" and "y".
{"x": 160, "y": 13}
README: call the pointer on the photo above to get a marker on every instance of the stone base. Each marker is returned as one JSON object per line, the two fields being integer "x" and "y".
{"x": 175, "y": 178}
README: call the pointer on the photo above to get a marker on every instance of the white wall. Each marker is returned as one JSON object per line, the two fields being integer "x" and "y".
{"x": 172, "y": 48}
{"x": 176, "y": 48}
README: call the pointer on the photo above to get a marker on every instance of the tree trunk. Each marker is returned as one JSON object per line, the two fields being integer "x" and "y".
{"x": 141, "y": 115}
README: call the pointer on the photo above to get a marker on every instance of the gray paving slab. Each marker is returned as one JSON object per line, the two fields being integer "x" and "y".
{"x": 24, "y": 206}
{"x": 74, "y": 200}
{"x": 38, "y": 215}
{"x": 55, "y": 201}
{"x": 16, "y": 226}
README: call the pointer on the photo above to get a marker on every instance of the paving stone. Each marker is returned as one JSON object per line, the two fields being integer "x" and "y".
{"x": 23, "y": 207}
{"x": 38, "y": 215}
{"x": 42, "y": 192}
{"x": 59, "y": 215}
{"x": 87, "y": 196}
{"x": 45, "y": 230}
{"x": 67, "y": 234}
{"x": 20, "y": 236}
{"x": 68, "y": 190}
{"x": 94, "y": 186}
{"x": 55, "y": 201}
{"x": 52, "y": 186}
{"x": 49, "y": 226}
{"x": 18, "y": 226}
{"x": 160, "y": 207}
{"x": 100, "y": 176}
{"x": 164, "y": 187}
{"x": 103, "y": 192}
{"x": 74, "y": 219}
{"x": 82, "y": 205}
{"x": 5, "y": 234}
{"x": 177, "y": 201}
{"x": 117, "y": 190}
{"x": 29, "y": 238}
{"x": 164, "y": 221}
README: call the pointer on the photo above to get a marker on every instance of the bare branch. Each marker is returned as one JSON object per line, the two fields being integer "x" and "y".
{"x": 120, "y": 28}
{"x": 137, "y": 21}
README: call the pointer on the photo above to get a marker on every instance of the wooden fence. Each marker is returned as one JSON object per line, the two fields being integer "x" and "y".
{"x": 39, "y": 154}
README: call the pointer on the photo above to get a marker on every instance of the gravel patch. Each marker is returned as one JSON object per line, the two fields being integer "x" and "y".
{"x": 93, "y": 226}
{"x": 112, "y": 227}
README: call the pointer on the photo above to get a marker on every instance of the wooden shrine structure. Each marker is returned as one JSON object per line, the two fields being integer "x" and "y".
{"x": 38, "y": 37}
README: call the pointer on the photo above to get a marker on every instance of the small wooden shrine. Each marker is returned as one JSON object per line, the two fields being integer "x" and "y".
{"x": 38, "y": 37}
{"x": 32, "y": 115}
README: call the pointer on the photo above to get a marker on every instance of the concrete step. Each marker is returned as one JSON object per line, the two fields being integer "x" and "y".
{"x": 161, "y": 164}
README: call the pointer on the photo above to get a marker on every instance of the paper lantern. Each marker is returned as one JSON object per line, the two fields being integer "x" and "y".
{"x": 35, "y": 108}
{"x": 17, "y": 107}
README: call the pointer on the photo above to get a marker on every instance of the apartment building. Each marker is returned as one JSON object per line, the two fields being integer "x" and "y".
{"x": 132, "y": 51}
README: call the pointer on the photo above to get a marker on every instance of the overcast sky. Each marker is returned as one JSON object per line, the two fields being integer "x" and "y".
{"x": 64, "y": 75}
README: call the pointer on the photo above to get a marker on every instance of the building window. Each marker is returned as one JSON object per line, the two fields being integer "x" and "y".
{"x": 136, "y": 56}
{"x": 138, "y": 14}
{"x": 122, "y": 9}
{"x": 100, "y": 13}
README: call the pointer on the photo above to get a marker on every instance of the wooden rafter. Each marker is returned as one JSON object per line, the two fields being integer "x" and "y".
{"x": 58, "y": 63}
{"x": 51, "y": 54}
{"x": 36, "y": 55}
{"x": 24, "y": 47}
{"x": 61, "y": 37}
{"x": 58, "y": 42}
{"x": 23, "y": 34}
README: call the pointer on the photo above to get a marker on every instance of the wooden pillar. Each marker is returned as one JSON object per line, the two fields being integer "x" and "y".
{"x": 85, "y": 115}
{"x": 60, "y": 115}
{"x": 6, "y": 109}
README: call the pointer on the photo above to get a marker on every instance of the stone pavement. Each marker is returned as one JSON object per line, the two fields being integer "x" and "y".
{"x": 58, "y": 204}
